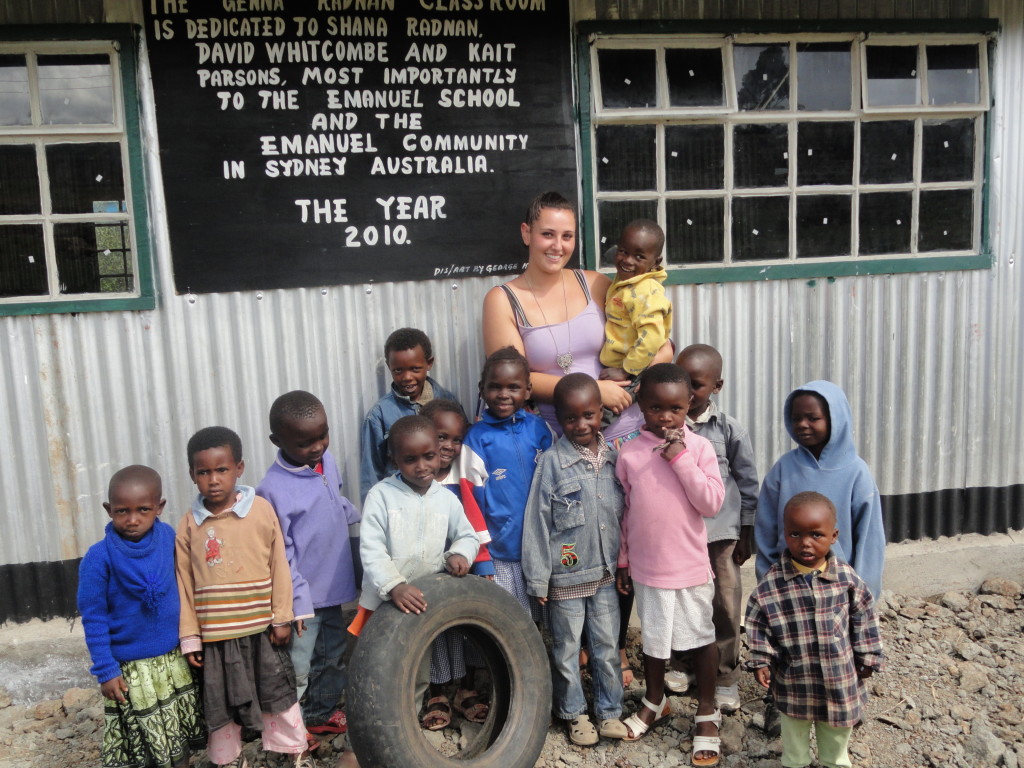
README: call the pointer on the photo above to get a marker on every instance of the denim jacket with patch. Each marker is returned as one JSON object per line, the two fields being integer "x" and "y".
{"x": 571, "y": 530}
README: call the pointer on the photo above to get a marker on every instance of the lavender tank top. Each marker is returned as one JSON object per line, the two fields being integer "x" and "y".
{"x": 583, "y": 335}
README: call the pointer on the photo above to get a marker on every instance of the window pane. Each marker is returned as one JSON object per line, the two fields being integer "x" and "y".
{"x": 762, "y": 155}
{"x": 946, "y": 220}
{"x": 14, "y": 101}
{"x": 627, "y": 78}
{"x": 78, "y": 268}
{"x": 885, "y": 222}
{"x": 694, "y": 156}
{"x": 625, "y": 157}
{"x": 887, "y": 152}
{"x": 822, "y": 225}
{"x": 695, "y": 231}
{"x": 953, "y": 76}
{"x": 93, "y": 258}
{"x": 85, "y": 178}
{"x": 113, "y": 243}
{"x": 892, "y": 75}
{"x": 762, "y": 76}
{"x": 948, "y": 150}
{"x": 824, "y": 153}
{"x": 695, "y": 77}
{"x": 76, "y": 90}
{"x": 612, "y": 218}
{"x": 22, "y": 261}
{"x": 760, "y": 228}
{"x": 823, "y": 75}
{"x": 19, "y": 179}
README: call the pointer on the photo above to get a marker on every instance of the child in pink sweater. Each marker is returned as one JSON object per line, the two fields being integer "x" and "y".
{"x": 671, "y": 481}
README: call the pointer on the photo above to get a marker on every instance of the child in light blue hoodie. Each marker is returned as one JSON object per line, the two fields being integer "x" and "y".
{"x": 818, "y": 418}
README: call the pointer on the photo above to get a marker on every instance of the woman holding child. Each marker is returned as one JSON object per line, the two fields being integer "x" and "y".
{"x": 555, "y": 318}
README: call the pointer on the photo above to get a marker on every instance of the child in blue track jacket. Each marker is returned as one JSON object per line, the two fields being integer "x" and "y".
{"x": 499, "y": 457}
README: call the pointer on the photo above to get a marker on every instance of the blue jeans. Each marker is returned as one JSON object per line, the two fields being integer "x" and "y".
{"x": 600, "y": 615}
{"x": 319, "y": 671}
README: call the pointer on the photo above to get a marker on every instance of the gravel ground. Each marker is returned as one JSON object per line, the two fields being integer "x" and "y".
{"x": 951, "y": 695}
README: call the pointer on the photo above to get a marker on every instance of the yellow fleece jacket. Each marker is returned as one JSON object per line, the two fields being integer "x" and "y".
{"x": 638, "y": 316}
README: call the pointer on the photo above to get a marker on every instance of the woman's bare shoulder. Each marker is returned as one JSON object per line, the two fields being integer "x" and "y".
{"x": 499, "y": 323}
{"x": 597, "y": 281}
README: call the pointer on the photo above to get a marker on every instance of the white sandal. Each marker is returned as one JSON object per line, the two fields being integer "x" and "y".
{"x": 707, "y": 743}
{"x": 638, "y": 727}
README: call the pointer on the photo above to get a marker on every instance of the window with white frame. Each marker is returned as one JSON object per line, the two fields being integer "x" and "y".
{"x": 67, "y": 226}
{"x": 768, "y": 151}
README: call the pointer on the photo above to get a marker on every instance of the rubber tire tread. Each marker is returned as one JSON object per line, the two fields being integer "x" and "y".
{"x": 384, "y": 726}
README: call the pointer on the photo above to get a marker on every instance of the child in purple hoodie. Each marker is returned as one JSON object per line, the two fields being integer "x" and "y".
{"x": 304, "y": 487}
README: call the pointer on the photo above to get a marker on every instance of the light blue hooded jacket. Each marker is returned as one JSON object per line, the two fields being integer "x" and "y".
{"x": 842, "y": 476}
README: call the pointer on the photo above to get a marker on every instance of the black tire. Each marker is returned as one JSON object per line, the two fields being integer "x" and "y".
{"x": 383, "y": 719}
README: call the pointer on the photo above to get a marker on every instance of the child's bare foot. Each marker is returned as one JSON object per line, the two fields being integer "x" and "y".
{"x": 627, "y": 669}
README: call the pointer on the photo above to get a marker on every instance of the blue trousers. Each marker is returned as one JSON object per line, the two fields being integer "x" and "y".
{"x": 600, "y": 615}
{"x": 320, "y": 675}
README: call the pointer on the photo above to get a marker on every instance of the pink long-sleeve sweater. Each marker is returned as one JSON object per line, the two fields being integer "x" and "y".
{"x": 664, "y": 541}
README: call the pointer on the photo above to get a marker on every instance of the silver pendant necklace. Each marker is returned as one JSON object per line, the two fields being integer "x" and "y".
{"x": 563, "y": 360}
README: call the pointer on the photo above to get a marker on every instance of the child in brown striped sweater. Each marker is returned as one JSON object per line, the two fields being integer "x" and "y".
{"x": 236, "y": 606}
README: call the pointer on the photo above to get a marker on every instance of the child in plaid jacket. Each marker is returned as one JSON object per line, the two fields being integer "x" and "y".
{"x": 813, "y": 635}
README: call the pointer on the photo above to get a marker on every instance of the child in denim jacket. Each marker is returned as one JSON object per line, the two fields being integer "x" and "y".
{"x": 570, "y": 551}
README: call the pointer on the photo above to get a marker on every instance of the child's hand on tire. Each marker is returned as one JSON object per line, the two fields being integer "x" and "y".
{"x": 457, "y": 565}
{"x": 408, "y": 599}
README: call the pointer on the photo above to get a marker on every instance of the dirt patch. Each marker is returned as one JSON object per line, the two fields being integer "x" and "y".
{"x": 950, "y": 696}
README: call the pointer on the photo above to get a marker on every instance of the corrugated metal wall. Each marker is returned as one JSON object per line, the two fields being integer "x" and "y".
{"x": 932, "y": 363}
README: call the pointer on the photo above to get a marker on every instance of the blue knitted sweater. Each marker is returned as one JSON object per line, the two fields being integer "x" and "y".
{"x": 128, "y": 599}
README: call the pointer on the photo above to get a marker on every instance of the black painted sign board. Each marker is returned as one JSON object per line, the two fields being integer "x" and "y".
{"x": 320, "y": 142}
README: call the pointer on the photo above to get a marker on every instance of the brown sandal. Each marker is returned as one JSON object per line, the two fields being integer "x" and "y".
{"x": 438, "y": 715}
{"x": 471, "y": 705}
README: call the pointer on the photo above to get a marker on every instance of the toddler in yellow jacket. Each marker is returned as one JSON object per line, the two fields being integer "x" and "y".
{"x": 638, "y": 314}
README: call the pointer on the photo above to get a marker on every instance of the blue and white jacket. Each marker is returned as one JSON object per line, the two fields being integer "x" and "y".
{"x": 498, "y": 458}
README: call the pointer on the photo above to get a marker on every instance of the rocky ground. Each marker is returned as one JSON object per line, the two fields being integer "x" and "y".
{"x": 950, "y": 696}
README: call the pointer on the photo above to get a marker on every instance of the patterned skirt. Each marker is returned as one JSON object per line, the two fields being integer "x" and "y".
{"x": 161, "y": 718}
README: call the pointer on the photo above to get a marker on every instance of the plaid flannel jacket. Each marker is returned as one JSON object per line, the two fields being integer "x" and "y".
{"x": 813, "y": 633}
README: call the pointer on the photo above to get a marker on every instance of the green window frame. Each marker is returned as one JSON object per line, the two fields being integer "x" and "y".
{"x": 76, "y": 248}
{"x": 646, "y": 96}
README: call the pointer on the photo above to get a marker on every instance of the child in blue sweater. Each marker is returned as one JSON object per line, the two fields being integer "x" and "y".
{"x": 304, "y": 487}
{"x": 128, "y": 599}
{"x": 499, "y": 457}
{"x": 409, "y": 357}
{"x": 819, "y": 419}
